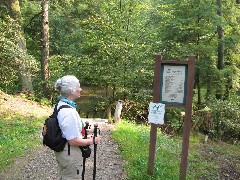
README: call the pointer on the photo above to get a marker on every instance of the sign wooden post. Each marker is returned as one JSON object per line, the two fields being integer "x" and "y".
{"x": 173, "y": 86}
{"x": 153, "y": 132}
{"x": 187, "y": 119}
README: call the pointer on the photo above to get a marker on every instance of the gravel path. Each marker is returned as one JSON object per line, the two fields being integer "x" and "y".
{"x": 40, "y": 164}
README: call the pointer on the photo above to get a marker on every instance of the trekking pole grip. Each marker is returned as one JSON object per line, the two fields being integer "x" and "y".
{"x": 85, "y": 129}
{"x": 95, "y": 132}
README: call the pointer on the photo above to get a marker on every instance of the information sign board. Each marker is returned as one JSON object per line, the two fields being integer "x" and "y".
{"x": 173, "y": 84}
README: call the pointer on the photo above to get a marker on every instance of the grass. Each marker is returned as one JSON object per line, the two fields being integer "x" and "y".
{"x": 205, "y": 161}
{"x": 134, "y": 144}
{"x": 17, "y": 136}
{"x": 21, "y": 122}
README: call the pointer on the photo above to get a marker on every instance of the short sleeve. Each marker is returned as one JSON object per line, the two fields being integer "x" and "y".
{"x": 70, "y": 123}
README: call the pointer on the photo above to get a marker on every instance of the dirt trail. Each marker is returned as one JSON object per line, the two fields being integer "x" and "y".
{"x": 40, "y": 164}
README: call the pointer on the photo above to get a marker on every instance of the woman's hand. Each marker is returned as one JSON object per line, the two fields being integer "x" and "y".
{"x": 96, "y": 140}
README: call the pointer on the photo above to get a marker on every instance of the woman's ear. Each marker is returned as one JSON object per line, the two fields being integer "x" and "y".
{"x": 71, "y": 92}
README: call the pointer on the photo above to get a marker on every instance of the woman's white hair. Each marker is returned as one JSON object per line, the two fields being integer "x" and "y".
{"x": 66, "y": 84}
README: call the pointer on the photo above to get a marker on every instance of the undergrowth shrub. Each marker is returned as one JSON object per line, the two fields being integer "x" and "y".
{"x": 173, "y": 121}
{"x": 225, "y": 116}
{"x": 136, "y": 107}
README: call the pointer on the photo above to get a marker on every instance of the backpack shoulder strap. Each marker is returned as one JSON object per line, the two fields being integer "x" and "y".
{"x": 55, "y": 112}
{"x": 62, "y": 106}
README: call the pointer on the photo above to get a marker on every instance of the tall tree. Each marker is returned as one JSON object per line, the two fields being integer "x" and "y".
{"x": 45, "y": 49}
{"x": 15, "y": 13}
{"x": 220, "y": 36}
{"x": 220, "y": 49}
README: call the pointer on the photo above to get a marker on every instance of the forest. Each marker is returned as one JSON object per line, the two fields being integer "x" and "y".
{"x": 111, "y": 45}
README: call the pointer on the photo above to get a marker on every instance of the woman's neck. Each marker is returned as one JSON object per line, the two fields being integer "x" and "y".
{"x": 68, "y": 101}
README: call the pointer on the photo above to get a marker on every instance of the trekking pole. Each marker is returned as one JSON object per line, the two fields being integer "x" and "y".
{"x": 85, "y": 137}
{"x": 96, "y": 130}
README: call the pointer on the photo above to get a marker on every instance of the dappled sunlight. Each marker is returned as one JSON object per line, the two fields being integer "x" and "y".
{"x": 14, "y": 106}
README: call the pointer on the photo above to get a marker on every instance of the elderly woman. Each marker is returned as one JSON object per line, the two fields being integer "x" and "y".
{"x": 70, "y": 159}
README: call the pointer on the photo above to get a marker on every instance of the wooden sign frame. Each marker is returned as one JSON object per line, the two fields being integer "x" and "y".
{"x": 185, "y": 103}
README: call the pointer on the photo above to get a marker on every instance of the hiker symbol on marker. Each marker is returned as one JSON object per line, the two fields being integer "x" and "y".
{"x": 156, "y": 113}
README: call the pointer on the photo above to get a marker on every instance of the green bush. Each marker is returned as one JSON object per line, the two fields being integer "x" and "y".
{"x": 173, "y": 121}
{"x": 45, "y": 101}
{"x": 136, "y": 107}
{"x": 225, "y": 118}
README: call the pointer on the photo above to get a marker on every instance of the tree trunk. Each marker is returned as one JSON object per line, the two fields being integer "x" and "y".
{"x": 15, "y": 13}
{"x": 220, "y": 32}
{"x": 45, "y": 50}
{"x": 199, "y": 102}
{"x": 208, "y": 88}
{"x": 220, "y": 37}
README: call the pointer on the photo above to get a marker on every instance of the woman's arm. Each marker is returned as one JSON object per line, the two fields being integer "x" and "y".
{"x": 83, "y": 142}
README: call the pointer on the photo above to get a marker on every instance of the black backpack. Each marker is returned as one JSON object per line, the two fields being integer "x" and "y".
{"x": 52, "y": 134}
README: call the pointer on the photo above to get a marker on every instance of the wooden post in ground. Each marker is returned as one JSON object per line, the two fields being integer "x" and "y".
{"x": 153, "y": 132}
{"x": 163, "y": 68}
{"x": 187, "y": 120}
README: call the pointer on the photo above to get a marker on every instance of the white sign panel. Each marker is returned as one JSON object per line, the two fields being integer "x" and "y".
{"x": 156, "y": 113}
{"x": 173, "y": 84}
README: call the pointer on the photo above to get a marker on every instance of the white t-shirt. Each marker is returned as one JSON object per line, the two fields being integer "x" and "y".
{"x": 69, "y": 122}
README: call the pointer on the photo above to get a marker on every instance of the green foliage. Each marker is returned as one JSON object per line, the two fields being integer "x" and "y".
{"x": 107, "y": 56}
{"x": 136, "y": 106}
{"x": 31, "y": 13}
{"x": 12, "y": 57}
{"x": 186, "y": 27}
{"x": 173, "y": 121}
{"x": 111, "y": 44}
{"x": 226, "y": 119}
{"x": 45, "y": 101}
{"x": 9, "y": 54}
